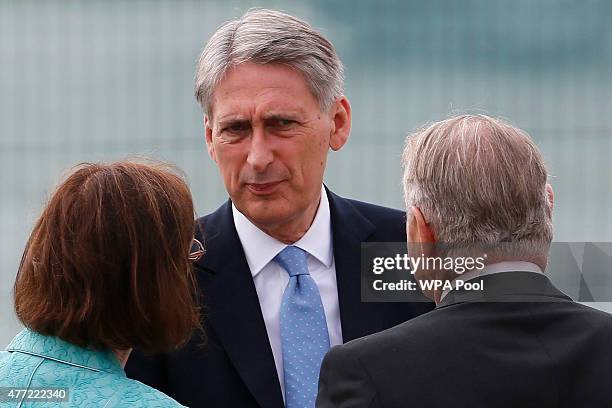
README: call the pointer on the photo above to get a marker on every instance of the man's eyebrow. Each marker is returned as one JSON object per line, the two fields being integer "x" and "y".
{"x": 232, "y": 120}
{"x": 284, "y": 115}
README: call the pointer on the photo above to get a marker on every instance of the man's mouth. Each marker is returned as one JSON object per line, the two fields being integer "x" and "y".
{"x": 263, "y": 188}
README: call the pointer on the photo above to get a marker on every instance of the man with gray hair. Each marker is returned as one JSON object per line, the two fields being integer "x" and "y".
{"x": 501, "y": 335}
{"x": 280, "y": 278}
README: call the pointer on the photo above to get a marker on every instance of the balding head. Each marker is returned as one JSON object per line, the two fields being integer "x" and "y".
{"x": 479, "y": 181}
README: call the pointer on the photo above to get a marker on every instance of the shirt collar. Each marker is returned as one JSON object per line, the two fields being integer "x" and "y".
{"x": 498, "y": 267}
{"x": 54, "y": 348}
{"x": 260, "y": 248}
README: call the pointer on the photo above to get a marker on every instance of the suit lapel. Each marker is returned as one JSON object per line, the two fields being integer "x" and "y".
{"x": 232, "y": 308}
{"x": 349, "y": 229}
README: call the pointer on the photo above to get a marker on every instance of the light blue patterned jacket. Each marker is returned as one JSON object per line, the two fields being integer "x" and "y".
{"x": 92, "y": 378}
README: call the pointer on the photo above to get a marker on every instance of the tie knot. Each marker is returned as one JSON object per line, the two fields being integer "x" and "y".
{"x": 293, "y": 260}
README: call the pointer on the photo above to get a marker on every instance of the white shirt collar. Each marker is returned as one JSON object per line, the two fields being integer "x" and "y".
{"x": 498, "y": 267}
{"x": 260, "y": 248}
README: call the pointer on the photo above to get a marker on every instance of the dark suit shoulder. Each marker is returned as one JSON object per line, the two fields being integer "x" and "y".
{"x": 471, "y": 351}
{"x": 377, "y": 213}
{"x": 440, "y": 318}
{"x": 344, "y": 382}
{"x": 388, "y": 224}
{"x": 459, "y": 322}
{"x": 592, "y": 313}
{"x": 410, "y": 330}
{"x": 215, "y": 214}
{"x": 599, "y": 322}
{"x": 202, "y": 220}
{"x": 211, "y": 224}
{"x": 353, "y": 374}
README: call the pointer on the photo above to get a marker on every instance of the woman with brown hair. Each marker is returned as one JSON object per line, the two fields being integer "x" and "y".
{"x": 106, "y": 269}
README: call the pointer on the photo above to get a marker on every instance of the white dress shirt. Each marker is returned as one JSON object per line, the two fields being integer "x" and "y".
{"x": 498, "y": 267}
{"x": 270, "y": 279}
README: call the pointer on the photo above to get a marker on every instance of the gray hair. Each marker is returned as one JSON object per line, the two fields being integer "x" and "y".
{"x": 266, "y": 37}
{"x": 479, "y": 181}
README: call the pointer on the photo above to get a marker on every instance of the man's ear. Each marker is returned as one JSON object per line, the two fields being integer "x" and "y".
{"x": 208, "y": 135}
{"x": 417, "y": 229}
{"x": 341, "y": 116}
{"x": 550, "y": 195}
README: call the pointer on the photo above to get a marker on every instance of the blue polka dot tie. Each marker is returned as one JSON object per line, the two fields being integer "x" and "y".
{"x": 303, "y": 328}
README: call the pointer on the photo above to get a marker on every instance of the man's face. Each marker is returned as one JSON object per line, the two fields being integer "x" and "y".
{"x": 270, "y": 140}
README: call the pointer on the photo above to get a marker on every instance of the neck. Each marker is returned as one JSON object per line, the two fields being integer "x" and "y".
{"x": 122, "y": 356}
{"x": 291, "y": 231}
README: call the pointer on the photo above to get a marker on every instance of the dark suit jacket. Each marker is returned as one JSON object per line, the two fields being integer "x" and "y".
{"x": 235, "y": 368}
{"x": 546, "y": 351}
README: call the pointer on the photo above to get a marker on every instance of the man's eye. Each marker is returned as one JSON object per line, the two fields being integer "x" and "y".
{"x": 281, "y": 123}
{"x": 236, "y": 128}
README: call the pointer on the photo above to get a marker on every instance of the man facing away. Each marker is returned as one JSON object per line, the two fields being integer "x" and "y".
{"x": 474, "y": 182}
{"x": 280, "y": 280}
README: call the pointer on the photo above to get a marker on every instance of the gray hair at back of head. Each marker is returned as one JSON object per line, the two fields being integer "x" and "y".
{"x": 270, "y": 37}
{"x": 479, "y": 181}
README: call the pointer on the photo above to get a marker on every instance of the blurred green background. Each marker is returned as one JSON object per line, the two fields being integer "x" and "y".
{"x": 102, "y": 80}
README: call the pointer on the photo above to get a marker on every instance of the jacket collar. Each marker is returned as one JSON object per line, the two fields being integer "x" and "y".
{"x": 508, "y": 287}
{"x": 56, "y": 349}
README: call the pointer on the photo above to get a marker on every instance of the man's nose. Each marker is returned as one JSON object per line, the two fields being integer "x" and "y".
{"x": 260, "y": 155}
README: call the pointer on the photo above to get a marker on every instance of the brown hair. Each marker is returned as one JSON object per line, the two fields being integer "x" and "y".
{"x": 107, "y": 262}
